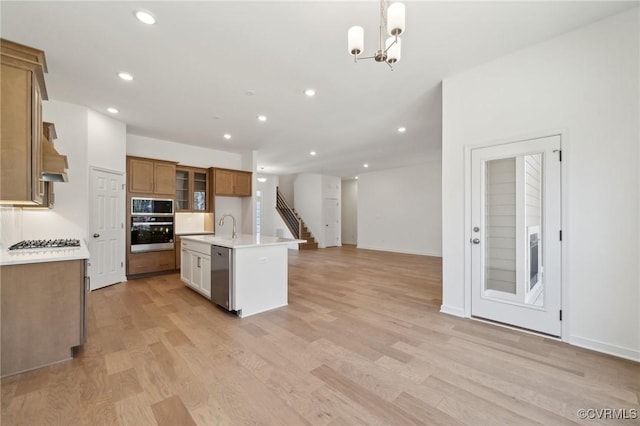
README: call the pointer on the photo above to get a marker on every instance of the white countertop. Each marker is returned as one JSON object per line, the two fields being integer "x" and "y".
{"x": 242, "y": 240}
{"x": 181, "y": 234}
{"x": 19, "y": 257}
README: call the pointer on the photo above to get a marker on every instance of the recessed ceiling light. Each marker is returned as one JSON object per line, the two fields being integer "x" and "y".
{"x": 365, "y": 165}
{"x": 113, "y": 110}
{"x": 262, "y": 118}
{"x": 227, "y": 136}
{"x": 356, "y": 177}
{"x": 145, "y": 17}
{"x": 125, "y": 76}
{"x": 402, "y": 129}
{"x": 312, "y": 153}
{"x": 310, "y": 92}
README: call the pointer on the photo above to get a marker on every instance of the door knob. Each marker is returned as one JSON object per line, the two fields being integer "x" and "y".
{"x": 476, "y": 241}
{"x": 96, "y": 235}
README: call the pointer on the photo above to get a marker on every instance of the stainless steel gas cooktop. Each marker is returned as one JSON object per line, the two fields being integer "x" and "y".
{"x": 40, "y": 244}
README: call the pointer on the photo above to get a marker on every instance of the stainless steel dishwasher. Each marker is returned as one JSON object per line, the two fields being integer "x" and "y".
{"x": 221, "y": 276}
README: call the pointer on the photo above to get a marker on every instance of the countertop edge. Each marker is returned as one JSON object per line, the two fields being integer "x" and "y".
{"x": 239, "y": 244}
{"x": 23, "y": 257}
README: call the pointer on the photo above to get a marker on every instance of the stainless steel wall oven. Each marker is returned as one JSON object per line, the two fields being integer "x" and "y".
{"x": 152, "y": 224}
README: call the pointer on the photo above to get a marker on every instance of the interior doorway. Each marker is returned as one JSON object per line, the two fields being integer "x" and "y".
{"x": 106, "y": 242}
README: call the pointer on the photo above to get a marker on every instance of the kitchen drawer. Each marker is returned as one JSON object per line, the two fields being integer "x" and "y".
{"x": 155, "y": 261}
{"x": 202, "y": 248}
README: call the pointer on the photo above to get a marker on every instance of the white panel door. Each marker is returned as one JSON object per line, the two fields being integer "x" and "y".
{"x": 331, "y": 222}
{"x": 515, "y": 236}
{"x": 106, "y": 243}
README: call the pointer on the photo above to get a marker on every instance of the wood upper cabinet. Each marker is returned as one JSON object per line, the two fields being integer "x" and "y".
{"x": 192, "y": 190}
{"x": 22, "y": 92}
{"x": 147, "y": 176}
{"x": 235, "y": 183}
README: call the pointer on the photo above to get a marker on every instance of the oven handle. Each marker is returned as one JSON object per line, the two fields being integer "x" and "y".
{"x": 152, "y": 223}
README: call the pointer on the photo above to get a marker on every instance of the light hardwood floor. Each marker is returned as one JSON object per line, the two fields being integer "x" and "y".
{"x": 361, "y": 342}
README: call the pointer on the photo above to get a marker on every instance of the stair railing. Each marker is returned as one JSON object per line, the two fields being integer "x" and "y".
{"x": 293, "y": 222}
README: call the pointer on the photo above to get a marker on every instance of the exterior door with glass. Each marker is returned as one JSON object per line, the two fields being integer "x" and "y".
{"x": 516, "y": 234}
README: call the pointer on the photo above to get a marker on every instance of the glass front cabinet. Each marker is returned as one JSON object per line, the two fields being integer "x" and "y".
{"x": 192, "y": 188}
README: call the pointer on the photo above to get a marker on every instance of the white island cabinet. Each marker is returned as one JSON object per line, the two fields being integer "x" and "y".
{"x": 258, "y": 270}
{"x": 195, "y": 270}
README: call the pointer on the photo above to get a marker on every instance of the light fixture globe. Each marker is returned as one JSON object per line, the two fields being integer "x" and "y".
{"x": 393, "y": 46}
{"x": 355, "y": 40}
{"x": 395, "y": 19}
{"x": 261, "y": 178}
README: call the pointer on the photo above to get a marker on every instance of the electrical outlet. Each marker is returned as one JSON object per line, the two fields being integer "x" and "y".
{"x": 262, "y": 260}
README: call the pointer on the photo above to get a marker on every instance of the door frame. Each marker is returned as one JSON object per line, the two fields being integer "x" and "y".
{"x": 564, "y": 208}
{"x": 123, "y": 235}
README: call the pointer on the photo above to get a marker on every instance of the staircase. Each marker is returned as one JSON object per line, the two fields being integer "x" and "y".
{"x": 294, "y": 222}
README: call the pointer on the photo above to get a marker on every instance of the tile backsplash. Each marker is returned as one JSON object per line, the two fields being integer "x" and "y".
{"x": 10, "y": 226}
{"x": 189, "y": 222}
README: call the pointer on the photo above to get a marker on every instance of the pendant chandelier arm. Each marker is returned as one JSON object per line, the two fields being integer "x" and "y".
{"x": 395, "y": 41}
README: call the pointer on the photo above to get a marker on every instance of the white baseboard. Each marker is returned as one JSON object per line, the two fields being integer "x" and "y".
{"x": 452, "y": 310}
{"x": 396, "y": 250}
{"x": 619, "y": 351}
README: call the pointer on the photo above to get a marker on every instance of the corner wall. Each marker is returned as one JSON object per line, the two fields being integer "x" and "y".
{"x": 399, "y": 210}
{"x": 584, "y": 85}
{"x": 350, "y": 211}
{"x": 307, "y": 190}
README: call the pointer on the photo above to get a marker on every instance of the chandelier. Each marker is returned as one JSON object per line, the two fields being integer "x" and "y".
{"x": 391, "y": 24}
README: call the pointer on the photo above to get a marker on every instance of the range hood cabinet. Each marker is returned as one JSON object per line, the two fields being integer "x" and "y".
{"x": 54, "y": 165}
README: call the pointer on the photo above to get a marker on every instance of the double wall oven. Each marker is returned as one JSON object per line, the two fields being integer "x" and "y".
{"x": 151, "y": 224}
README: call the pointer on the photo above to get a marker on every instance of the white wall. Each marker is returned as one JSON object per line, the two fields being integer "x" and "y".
{"x": 399, "y": 210}
{"x": 285, "y": 182}
{"x": 187, "y": 155}
{"x": 107, "y": 147}
{"x": 307, "y": 191}
{"x": 350, "y": 211}
{"x": 583, "y": 84}
{"x": 248, "y": 205}
{"x": 194, "y": 156}
{"x": 269, "y": 213}
{"x": 69, "y": 217}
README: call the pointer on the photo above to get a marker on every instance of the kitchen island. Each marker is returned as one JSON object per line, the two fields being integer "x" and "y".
{"x": 256, "y": 279}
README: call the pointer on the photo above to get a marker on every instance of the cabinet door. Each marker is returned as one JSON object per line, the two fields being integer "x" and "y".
{"x": 186, "y": 269}
{"x": 223, "y": 182}
{"x": 196, "y": 270}
{"x": 205, "y": 269}
{"x": 141, "y": 176}
{"x": 182, "y": 190}
{"x": 37, "y": 159}
{"x": 165, "y": 178}
{"x": 242, "y": 184}
{"x": 199, "y": 191}
{"x": 21, "y": 130}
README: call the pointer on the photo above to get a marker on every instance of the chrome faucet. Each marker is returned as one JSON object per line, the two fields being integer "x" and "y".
{"x": 221, "y": 223}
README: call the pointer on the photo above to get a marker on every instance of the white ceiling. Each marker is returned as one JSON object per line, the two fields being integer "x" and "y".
{"x": 194, "y": 67}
